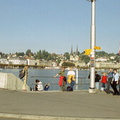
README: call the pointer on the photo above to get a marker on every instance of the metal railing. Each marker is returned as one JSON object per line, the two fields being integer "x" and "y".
{"x": 83, "y": 83}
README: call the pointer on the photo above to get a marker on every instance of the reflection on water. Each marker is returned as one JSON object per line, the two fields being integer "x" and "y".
{"x": 46, "y": 76}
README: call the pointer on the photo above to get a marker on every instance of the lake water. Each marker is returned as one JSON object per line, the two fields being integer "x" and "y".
{"x": 46, "y": 76}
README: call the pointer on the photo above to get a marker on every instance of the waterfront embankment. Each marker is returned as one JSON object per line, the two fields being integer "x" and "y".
{"x": 99, "y": 65}
{"x": 77, "y": 105}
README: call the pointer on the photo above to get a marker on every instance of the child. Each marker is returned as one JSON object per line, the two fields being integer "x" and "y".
{"x": 103, "y": 81}
{"x": 36, "y": 84}
{"x": 46, "y": 87}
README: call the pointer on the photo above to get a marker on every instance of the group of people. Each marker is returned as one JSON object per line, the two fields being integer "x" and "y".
{"x": 63, "y": 80}
{"x": 39, "y": 86}
{"x": 108, "y": 80}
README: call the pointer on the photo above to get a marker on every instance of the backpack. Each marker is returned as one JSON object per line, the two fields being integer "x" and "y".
{"x": 21, "y": 74}
{"x": 69, "y": 88}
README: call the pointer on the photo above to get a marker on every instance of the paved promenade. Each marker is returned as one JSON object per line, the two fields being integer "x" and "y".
{"x": 77, "y": 105}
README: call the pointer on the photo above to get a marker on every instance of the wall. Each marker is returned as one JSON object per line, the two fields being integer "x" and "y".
{"x": 11, "y": 82}
{"x": 108, "y": 65}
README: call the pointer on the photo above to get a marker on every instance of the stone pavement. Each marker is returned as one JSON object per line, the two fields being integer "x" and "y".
{"x": 77, "y": 105}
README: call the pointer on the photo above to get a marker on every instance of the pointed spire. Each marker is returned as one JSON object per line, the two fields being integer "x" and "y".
{"x": 71, "y": 50}
{"x": 77, "y": 50}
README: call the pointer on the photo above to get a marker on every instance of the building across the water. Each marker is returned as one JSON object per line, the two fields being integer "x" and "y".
{"x": 74, "y": 56}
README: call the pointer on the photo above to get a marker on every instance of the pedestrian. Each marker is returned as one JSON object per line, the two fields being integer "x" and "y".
{"x": 97, "y": 80}
{"x": 103, "y": 81}
{"x": 119, "y": 84}
{"x": 62, "y": 79}
{"x": 115, "y": 81}
{"x": 110, "y": 76}
{"x": 71, "y": 78}
{"x": 25, "y": 71}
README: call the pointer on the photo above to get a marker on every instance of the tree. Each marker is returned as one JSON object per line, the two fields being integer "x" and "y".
{"x": 117, "y": 58}
{"x": 67, "y": 55}
{"x": 101, "y": 54}
{"x": 20, "y": 54}
{"x": 85, "y": 58}
{"x": 45, "y": 55}
{"x": 29, "y": 53}
{"x": 53, "y": 56}
{"x": 3, "y": 55}
{"x": 38, "y": 55}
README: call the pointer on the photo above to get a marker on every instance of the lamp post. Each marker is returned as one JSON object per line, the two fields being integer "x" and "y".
{"x": 92, "y": 45}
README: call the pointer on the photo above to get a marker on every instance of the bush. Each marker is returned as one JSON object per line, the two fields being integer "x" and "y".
{"x": 68, "y": 64}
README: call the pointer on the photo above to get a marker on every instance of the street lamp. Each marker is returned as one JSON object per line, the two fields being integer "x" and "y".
{"x": 92, "y": 44}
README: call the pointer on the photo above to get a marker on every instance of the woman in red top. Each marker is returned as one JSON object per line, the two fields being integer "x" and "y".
{"x": 103, "y": 81}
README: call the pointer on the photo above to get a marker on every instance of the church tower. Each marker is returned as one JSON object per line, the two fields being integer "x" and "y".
{"x": 77, "y": 50}
{"x": 71, "y": 50}
{"x": 74, "y": 55}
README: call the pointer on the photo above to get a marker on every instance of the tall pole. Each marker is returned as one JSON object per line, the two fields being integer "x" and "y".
{"x": 76, "y": 79}
{"x": 92, "y": 44}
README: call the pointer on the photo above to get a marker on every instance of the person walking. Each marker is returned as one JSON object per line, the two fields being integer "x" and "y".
{"x": 71, "y": 78}
{"x": 103, "y": 81}
{"x": 115, "y": 81}
{"x": 110, "y": 76}
{"x": 62, "y": 79}
{"x": 25, "y": 70}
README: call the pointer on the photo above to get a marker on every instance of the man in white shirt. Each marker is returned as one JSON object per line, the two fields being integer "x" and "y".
{"x": 71, "y": 78}
{"x": 115, "y": 81}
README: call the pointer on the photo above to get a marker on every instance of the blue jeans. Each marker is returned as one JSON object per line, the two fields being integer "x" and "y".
{"x": 103, "y": 87}
{"x": 97, "y": 85}
{"x": 72, "y": 83}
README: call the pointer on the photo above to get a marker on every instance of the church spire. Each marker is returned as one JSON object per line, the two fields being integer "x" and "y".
{"x": 71, "y": 50}
{"x": 77, "y": 50}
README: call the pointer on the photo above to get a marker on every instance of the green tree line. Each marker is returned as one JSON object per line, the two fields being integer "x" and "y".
{"x": 43, "y": 54}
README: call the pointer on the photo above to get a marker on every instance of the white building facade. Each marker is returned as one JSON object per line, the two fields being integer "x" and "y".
{"x": 17, "y": 61}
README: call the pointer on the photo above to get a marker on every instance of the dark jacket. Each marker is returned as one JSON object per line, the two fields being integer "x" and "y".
{"x": 97, "y": 77}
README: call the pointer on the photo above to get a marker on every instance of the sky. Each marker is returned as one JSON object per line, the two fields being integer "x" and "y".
{"x": 57, "y": 25}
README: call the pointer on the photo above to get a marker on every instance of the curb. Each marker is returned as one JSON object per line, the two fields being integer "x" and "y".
{"x": 36, "y": 117}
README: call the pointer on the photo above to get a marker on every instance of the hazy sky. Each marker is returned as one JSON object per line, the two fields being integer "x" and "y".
{"x": 56, "y": 25}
